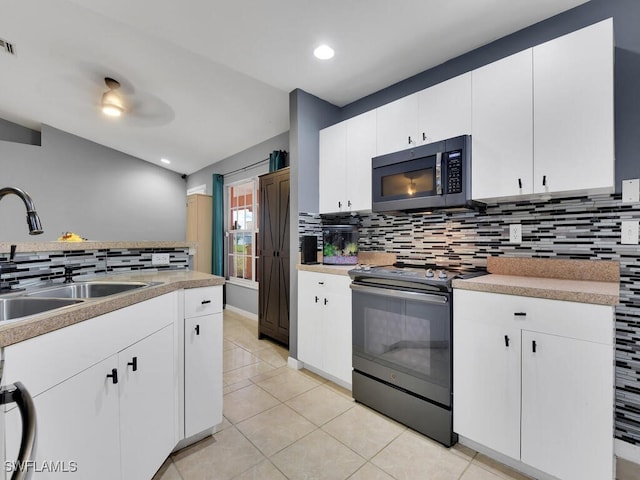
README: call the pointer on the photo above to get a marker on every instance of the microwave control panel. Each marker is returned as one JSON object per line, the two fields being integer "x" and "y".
{"x": 454, "y": 171}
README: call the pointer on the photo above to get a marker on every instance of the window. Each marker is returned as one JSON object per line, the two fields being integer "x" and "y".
{"x": 242, "y": 229}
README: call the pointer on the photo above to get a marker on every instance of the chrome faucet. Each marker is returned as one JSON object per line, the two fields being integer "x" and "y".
{"x": 33, "y": 221}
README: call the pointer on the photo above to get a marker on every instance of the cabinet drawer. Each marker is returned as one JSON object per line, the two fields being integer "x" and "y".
{"x": 582, "y": 321}
{"x": 202, "y": 301}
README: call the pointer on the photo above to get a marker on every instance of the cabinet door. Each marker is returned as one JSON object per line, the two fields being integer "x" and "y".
{"x": 310, "y": 336}
{"x": 361, "y": 148}
{"x": 397, "y": 125}
{"x": 486, "y": 372}
{"x": 202, "y": 373}
{"x": 567, "y": 406}
{"x": 336, "y": 322}
{"x": 147, "y": 407}
{"x": 444, "y": 110}
{"x": 573, "y": 111}
{"x": 77, "y": 422}
{"x": 502, "y": 130}
{"x": 333, "y": 157}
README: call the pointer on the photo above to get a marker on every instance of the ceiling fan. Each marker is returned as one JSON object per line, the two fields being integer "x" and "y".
{"x": 112, "y": 103}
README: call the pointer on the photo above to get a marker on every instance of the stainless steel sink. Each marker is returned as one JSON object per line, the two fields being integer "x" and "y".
{"x": 87, "y": 289}
{"x": 18, "y": 307}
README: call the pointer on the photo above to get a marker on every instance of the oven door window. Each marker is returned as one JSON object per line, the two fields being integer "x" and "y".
{"x": 403, "y": 341}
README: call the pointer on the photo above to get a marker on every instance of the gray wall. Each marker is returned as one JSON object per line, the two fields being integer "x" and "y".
{"x": 307, "y": 116}
{"x": 89, "y": 189}
{"x": 11, "y": 132}
{"x": 234, "y": 169}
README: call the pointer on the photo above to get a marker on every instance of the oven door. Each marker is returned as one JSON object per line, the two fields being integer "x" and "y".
{"x": 403, "y": 338}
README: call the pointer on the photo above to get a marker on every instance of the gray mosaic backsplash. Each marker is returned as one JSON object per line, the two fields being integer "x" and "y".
{"x": 576, "y": 228}
{"x": 33, "y": 268}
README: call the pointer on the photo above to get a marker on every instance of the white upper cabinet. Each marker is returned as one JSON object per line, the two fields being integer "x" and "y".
{"x": 333, "y": 157}
{"x": 397, "y": 125}
{"x": 502, "y": 131}
{"x": 444, "y": 110}
{"x": 361, "y": 148}
{"x": 543, "y": 118}
{"x": 573, "y": 111}
{"x": 435, "y": 113}
{"x": 346, "y": 150}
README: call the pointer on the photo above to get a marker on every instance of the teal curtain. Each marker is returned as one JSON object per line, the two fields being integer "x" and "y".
{"x": 217, "y": 236}
{"x": 277, "y": 160}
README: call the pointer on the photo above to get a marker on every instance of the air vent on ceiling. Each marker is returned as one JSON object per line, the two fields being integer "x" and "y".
{"x": 7, "y": 47}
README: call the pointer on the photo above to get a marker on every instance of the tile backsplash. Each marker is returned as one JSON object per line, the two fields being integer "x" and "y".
{"x": 36, "y": 267}
{"x": 585, "y": 227}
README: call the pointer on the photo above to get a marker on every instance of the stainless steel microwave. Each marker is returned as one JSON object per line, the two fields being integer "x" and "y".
{"x": 424, "y": 178}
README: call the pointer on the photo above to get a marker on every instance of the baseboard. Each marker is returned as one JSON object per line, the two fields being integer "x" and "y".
{"x": 295, "y": 363}
{"x": 239, "y": 311}
{"x": 508, "y": 461}
{"x": 627, "y": 450}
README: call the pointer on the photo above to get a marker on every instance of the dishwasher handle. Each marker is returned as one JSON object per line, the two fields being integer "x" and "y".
{"x": 18, "y": 394}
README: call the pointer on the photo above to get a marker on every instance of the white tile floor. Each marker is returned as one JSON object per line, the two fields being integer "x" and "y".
{"x": 280, "y": 423}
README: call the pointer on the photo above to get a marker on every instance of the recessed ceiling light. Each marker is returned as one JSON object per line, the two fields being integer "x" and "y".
{"x": 324, "y": 52}
{"x": 164, "y": 160}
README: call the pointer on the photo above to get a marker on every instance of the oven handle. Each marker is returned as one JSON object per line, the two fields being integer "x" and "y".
{"x": 417, "y": 296}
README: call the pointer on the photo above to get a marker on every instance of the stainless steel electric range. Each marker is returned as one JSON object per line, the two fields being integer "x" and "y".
{"x": 402, "y": 352}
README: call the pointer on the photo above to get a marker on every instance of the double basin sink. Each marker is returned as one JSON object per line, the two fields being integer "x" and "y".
{"x": 50, "y": 298}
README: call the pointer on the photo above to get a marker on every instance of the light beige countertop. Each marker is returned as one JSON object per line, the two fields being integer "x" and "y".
{"x": 584, "y": 281}
{"x": 32, "y": 326}
{"x": 368, "y": 258}
{"x": 5, "y": 247}
{"x": 330, "y": 269}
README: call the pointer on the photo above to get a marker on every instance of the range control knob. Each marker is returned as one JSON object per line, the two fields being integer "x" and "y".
{"x": 429, "y": 273}
{"x": 442, "y": 275}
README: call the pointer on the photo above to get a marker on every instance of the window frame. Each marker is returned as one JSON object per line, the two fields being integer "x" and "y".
{"x": 230, "y": 232}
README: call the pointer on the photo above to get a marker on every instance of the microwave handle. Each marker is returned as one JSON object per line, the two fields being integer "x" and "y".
{"x": 439, "y": 173}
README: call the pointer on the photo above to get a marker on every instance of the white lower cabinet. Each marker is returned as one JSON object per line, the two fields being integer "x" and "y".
{"x": 103, "y": 391}
{"x": 324, "y": 324}
{"x": 77, "y": 426}
{"x": 533, "y": 380}
{"x": 202, "y": 360}
{"x": 147, "y": 404}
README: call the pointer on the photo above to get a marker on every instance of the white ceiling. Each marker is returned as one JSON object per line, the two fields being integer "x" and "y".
{"x": 205, "y": 79}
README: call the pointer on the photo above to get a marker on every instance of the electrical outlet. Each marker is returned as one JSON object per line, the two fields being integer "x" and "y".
{"x": 629, "y": 232}
{"x": 515, "y": 233}
{"x": 631, "y": 191}
{"x": 159, "y": 259}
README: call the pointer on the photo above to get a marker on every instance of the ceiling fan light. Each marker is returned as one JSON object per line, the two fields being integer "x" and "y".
{"x": 112, "y": 104}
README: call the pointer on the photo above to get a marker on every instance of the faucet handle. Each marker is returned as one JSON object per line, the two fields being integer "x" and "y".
{"x": 68, "y": 272}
